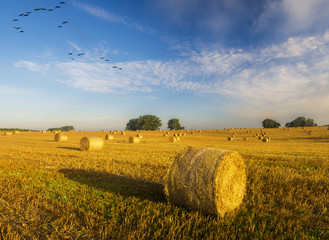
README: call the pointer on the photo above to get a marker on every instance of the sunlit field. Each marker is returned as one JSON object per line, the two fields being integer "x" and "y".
{"x": 53, "y": 190}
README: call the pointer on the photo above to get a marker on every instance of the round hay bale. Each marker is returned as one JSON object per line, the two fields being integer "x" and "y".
{"x": 123, "y": 133}
{"x": 192, "y": 132}
{"x": 165, "y": 135}
{"x": 91, "y": 143}
{"x": 8, "y": 133}
{"x": 172, "y": 139}
{"x": 109, "y": 137}
{"x": 177, "y": 138}
{"x": 230, "y": 138}
{"x": 208, "y": 180}
{"x": 245, "y": 139}
{"x": 265, "y": 140}
{"x": 134, "y": 139}
{"x": 60, "y": 137}
{"x": 16, "y": 132}
{"x": 139, "y": 136}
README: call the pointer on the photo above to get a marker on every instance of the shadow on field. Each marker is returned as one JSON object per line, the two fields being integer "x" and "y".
{"x": 70, "y": 148}
{"x": 123, "y": 185}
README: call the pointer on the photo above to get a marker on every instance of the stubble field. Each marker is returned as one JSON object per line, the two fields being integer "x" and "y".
{"x": 53, "y": 190}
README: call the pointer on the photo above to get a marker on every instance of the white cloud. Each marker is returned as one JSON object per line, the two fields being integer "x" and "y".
{"x": 32, "y": 66}
{"x": 108, "y": 16}
{"x": 289, "y": 77}
{"x": 16, "y": 91}
{"x": 293, "y": 16}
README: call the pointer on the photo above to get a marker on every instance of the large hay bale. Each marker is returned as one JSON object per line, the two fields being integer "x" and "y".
{"x": 230, "y": 138}
{"x": 16, "y": 132}
{"x": 91, "y": 143}
{"x": 8, "y": 133}
{"x": 59, "y": 137}
{"x": 265, "y": 140}
{"x": 134, "y": 139}
{"x": 209, "y": 180}
{"x": 172, "y": 139}
{"x": 109, "y": 137}
{"x": 139, "y": 136}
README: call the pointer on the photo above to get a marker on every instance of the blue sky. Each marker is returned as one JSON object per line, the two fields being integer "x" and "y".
{"x": 210, "y": 63}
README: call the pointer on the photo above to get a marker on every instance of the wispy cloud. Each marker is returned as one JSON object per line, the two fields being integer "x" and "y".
{"x": 289, "y": 77}
{"x": 108, "y": 16}
{"x": 16, "y": 91}
{"x": 32, "y": 66}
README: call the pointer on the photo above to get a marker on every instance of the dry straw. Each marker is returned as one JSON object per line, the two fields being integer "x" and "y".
{"x": 8, "y": 133}
{"x": 172, "y": 139}
{"x": 60, "y": 137}
{"x": 91, "y": 143}
{"x": 134, "y": 139}
{"x": 208, "y": 180}
{"x": 109, "y": 137}
{"x": 140, "y": 136}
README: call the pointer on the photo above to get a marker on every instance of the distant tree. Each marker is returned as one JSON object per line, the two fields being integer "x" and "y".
{"x": 64, "y": 128}
{"x": 301, "y": 122}
{"x": 145, "y": 122}
{"x": 269, "y": 123}
{"x": 67, "y": 128}
{"x": 173, "y": 124}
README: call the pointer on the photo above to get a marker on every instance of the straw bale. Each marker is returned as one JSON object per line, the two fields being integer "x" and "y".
{"x": 172, "y": 139}
{"x": 59, "y": 137}
{"x": 134, "y": 139}
{"x": 91, "y": 143}
{"x": 230, "y": 138}
{"x": 165, "y": 135}
{"x": 123, "y": 133}
{"x": 139, "y": 136}
{"x": 265, "y": 140}
{"x": 8, "y": 133}
{"x": 16, "y": 132}
{"x": 109, "y": 137}
{"x": 208, "y": 180}
{"x": 245, "y": 139}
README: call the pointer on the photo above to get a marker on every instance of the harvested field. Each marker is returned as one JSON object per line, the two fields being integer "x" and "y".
{"x": 53, "y": 190}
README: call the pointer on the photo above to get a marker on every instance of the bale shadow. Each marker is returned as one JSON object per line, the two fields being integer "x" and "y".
{"x": 123, "y": 185}
{"x": 70, "y": 148}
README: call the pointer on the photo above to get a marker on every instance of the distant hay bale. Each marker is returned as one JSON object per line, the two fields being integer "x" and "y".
{"x": 123, "y": 133}
{"x": 260, "y": 137}
{"x": 109, "y": 137}
{"x": 208, "y": 180}
{"x": 134, "y": 139}
{"x": 265, "y": 140}
{"x": 165, "y": 135}
{"x": 245, "y": 139}
{"x": 16, "y": 132}
{"x": 139, "y": 136}
{"x": 192, "y": 132}
{"x": 177, "y": 138}
{"x": 59, "y": 137}
{"x": 91, "y": 143}
{"x": 8, "y": 133}
{"x": 172, "y": 139}
{"x": 230, "y": 139}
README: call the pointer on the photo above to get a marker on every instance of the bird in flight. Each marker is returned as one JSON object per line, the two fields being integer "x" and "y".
{"x": 58, "y": 7}
{"x": 62, "y": 3}
{"x": 64, "y": 22}
{"x": 17, "y": 28}
{"x": 37, "y": 9}
{"x": 114, "y": 67}
{"x": 15, "y": 20}
{"x": 28, "y": 12}
{"x": 120, "y": 68}
{"x": 43, "y": 9}
{"x": 80, "y": 54}
{"x": 59, "y": 26}
{"x": 22, "y": 14}
{"x": 21, "y": 31}
{"x": 69, "y": 53}
{"x": 106, "y": 60}
{"x": 50, "y": 10}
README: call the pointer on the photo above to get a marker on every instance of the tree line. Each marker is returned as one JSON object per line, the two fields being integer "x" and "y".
{"x": 298, "y": 122}
{"x": 151, "y": 122}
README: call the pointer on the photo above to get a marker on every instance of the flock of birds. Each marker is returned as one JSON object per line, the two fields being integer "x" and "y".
{"x": 27, "y": 14}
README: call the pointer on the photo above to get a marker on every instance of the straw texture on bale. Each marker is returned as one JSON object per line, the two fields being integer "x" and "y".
{"x": 60, "y": 137}
{"x": 109, "y": 137}
{"x": 134, "y": 139}
{"x": 172, "y": 139}
{"x": 91, "y": 143}
{"x": 208, "y": 180}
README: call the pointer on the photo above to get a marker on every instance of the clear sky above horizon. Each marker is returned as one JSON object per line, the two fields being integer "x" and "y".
{"x": 209, "y": 63}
